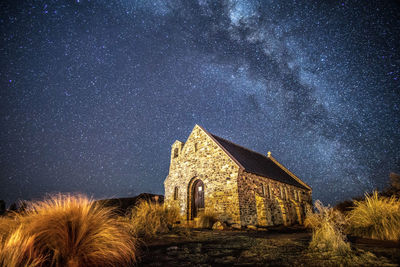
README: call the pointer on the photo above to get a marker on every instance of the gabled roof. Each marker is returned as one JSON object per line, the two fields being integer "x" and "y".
{"x": 257, "y": 163}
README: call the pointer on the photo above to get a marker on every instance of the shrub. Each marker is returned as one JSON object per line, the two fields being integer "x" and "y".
{"x": 324, "y": 213}
{"x": 344, "y": 206}
{"x": 149, "y": 219}
{"x": 376, "y": 217}
{"x": 2, "y": 207}
{"x": 207, "y": 220}
{"x": 70, "y": 230}
{"x": 327, "y": 225}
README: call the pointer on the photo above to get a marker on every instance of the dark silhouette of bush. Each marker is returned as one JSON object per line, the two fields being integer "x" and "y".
{"x": 2, "y": 207}
{"x": 395, "y": 180}
{"x": 17, "y": 207}
{"x": 13, "y": 207}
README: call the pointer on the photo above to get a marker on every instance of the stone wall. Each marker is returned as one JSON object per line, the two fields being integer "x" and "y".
{"x": 201, "y": 158}
{"x": 265, "y": 201}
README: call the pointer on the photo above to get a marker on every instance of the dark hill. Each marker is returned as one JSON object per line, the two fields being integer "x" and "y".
{"x": 124, "y": 205}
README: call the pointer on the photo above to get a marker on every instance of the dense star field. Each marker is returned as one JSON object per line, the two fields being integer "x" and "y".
{"x": 93, "y": 93}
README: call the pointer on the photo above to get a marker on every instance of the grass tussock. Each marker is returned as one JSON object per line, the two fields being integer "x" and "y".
{"x": 19, "y": 249}
{"x": 207, "y": 220}
{"x": 7, "y": 225}
{"x": 327, "y": 225}
{"x": 376, "y": 217}
{"x": 66, "y": 230}
{"x": 149, "y": 219}
{"x": 328, "y": 246}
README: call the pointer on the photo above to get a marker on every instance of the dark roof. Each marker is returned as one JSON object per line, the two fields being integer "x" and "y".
{"x": 257, "y": 163}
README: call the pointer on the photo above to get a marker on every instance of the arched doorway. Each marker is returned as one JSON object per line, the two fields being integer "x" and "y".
{"x": 197, "y": 198}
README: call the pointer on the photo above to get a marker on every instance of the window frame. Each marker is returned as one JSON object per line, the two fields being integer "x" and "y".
{"x": 176, "y": 193}
{"x": 176, "y": 152}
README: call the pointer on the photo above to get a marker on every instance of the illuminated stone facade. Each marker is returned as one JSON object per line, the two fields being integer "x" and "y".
{"x": 235, "y": 194}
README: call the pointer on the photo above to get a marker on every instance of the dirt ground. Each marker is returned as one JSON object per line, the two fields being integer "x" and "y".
{"x": 274, "y": 247}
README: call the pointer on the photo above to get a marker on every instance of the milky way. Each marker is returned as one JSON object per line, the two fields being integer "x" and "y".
{"x": 93, "y": 93}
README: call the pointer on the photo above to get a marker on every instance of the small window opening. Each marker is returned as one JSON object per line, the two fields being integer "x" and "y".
{"x": 195, "y": 147}
{"x": 269, "y": 191}
{"x": 176, "y": 191}
{"x": 176, "y": 150}
{"x": 263, "y": 190}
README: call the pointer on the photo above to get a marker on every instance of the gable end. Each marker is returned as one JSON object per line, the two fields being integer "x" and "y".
{"x": 222, "y": 147}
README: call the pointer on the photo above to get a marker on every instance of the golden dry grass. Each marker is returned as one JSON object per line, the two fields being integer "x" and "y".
{"x": 324, "y": 213}
{"x": 19, "y": 249}
{"x": 71, "y": 230}
{"x": 148, "y": 219}
{"x": 7, "y": 225}
{"x": 376, "y": 217}
{"x": 327, "y": 225}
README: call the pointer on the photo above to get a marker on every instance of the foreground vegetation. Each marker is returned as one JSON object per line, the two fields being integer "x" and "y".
{"x": 72, "y": 230}
{"x": 66, "y": 230}
{"x": 376, "y": 217}
{"x": 327, "y": 225}
{"x": 148, "y": 219}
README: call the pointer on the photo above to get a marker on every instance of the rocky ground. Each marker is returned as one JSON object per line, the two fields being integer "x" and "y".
{"x": 274, "y": 247}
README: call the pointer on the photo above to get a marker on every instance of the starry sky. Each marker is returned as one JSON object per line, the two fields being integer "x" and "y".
{"x": 94, "y": 93}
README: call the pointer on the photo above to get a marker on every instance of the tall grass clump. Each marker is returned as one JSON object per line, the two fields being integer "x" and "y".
{"x": 18, "y": 249}
{"x": 376, "y": 217}
{"x": 207, "y": 220}
{"x": 327, "y": 225}
{"x": 149, "y": 219}
{"x": 71, "y": 230}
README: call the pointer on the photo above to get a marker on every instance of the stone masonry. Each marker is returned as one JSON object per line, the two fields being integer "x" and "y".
{"x": 231, "y": 192}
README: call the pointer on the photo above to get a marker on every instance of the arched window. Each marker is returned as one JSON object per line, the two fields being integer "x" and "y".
{"x": 176, "y": 191}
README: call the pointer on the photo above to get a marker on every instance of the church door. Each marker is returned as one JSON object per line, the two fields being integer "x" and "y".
{"x": 198, "y": 198}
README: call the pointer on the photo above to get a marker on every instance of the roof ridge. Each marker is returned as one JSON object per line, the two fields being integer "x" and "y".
{"x": 224, "y": 144}
{"x": 245, "y": 148}
{"x": 222, "y": 147}
{"x": 289, "y": 172}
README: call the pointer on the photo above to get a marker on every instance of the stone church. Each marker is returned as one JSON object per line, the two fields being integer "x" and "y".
{"x": 211, "y": 174}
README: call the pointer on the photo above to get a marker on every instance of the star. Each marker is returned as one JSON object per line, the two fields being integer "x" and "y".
{"x": 95, "y": 92}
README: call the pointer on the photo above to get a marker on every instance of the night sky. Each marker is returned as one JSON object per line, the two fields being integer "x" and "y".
{"x": 93, "y": 93}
